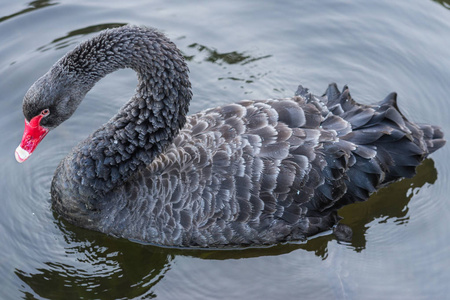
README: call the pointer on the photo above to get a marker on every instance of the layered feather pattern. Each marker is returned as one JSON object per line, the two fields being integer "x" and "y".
{"x": 262, "y": 172}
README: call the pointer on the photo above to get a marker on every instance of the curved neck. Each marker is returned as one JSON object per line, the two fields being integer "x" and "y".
{"x": 143, "y": 127}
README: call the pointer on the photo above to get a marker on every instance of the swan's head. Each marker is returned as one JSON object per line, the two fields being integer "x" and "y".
{"x": 51, "y": 100}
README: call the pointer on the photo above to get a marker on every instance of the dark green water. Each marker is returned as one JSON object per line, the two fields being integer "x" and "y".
{"x": 235, "y": 50}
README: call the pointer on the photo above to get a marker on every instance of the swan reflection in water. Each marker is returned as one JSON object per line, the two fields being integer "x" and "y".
{"x": 101, "y": 267}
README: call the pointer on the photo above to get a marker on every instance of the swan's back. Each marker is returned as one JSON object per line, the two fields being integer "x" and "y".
{"x": 261, "y": 172}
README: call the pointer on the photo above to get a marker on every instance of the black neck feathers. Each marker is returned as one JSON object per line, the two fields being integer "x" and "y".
{"x": 143, "y": 127}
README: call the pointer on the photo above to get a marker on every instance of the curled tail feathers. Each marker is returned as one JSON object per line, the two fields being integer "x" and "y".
{"x": 387, "y": 146}
{"x": 433, "y": 136}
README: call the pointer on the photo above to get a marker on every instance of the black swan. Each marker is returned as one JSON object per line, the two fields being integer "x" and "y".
{"x": 249, "y": 173}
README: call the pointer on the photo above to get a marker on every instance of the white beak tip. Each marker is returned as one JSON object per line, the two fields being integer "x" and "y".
{"x": 21, "y": 154}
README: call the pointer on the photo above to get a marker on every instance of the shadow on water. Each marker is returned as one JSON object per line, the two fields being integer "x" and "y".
{"x": 230, "y": 58}
{"x": 106, "y": 267}
{"x": 96, "y": 266}
{"x": 444, "y": 3}
{"x": 69, "y": 38}
{"x": 390, "y": 203}
{"x": 225, "y": 60}
{"x": 33, "y": 5}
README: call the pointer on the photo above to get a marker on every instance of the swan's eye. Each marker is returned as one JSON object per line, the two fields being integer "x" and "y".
{"x": 45, "y": 112}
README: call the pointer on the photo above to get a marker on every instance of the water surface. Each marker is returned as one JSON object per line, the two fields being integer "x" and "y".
{"x": 235, "y": 50}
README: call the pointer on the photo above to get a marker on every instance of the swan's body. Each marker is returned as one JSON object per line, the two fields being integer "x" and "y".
{"x": 253, "y": 172}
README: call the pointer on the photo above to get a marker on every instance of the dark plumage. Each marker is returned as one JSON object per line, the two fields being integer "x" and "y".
{"x": 252, "y": 172}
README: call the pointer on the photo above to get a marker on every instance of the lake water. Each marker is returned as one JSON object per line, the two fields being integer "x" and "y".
{"x": 235, "y": 50}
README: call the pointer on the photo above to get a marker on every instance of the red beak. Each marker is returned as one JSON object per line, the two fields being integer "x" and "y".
{"x": 32, "y": 136}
